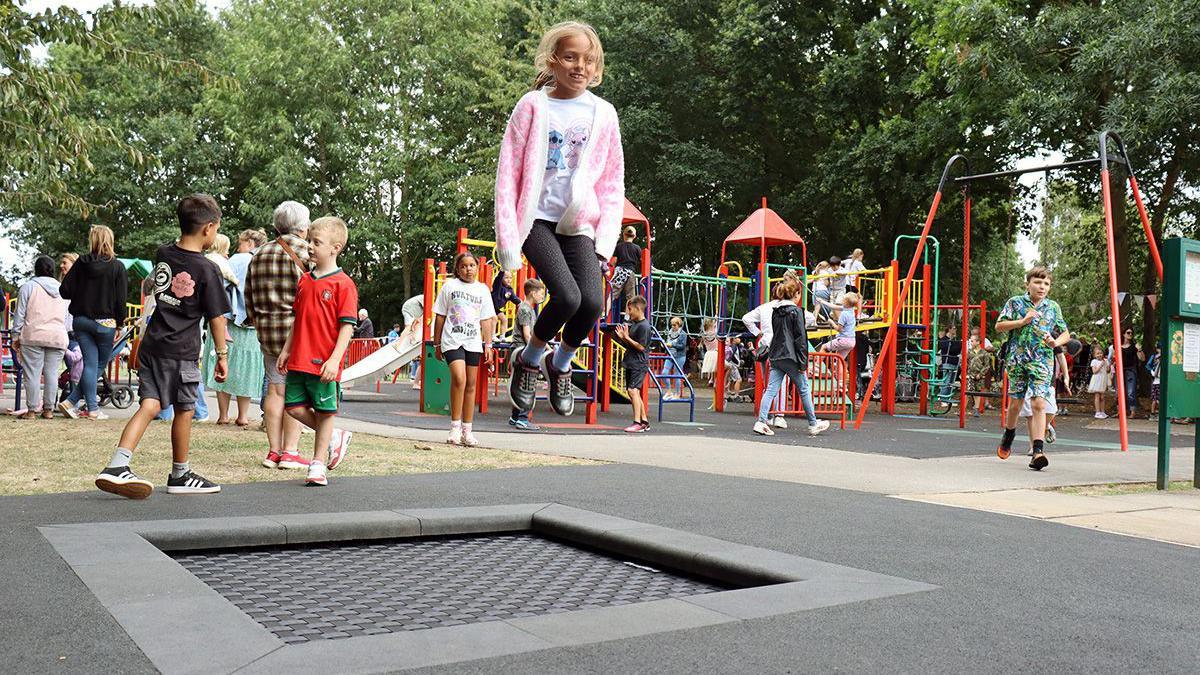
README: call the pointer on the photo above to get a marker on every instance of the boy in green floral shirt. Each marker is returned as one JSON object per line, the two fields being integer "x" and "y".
{"x": 1034, "y": 320}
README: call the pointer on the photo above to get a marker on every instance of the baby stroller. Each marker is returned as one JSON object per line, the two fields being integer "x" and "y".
{"x": 120, "y": 395}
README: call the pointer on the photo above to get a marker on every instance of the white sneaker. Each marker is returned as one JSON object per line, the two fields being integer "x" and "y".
{"x": 1102, "y": 415}
{"x": 468, "y": 439}
{"x": 339, "y": 444}
{"x": 98, "y": 415}
{"x": 455, "y": 437}
{"x": 821, "y": 425}
{"x": 779, "y": 422}
{"x": 668, "y": 396}
{"x": 1051, "y": 434}
{"x": 762, "y": 429}
{"x": 316, "y": 475}
{"x": 68, "y": 410}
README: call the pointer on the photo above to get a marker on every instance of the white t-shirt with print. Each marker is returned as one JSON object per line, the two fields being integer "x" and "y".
{"x": 570, "y": 123}
{"x": 853, "y": 266}
{"x": 464, "y": 306}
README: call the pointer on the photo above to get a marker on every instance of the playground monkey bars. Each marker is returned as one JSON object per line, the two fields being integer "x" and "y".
{"x": 889, "y": 343}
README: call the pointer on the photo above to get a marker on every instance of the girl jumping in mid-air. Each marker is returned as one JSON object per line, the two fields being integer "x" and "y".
{"x": 464, "y": 323}
{"x": 560, "y": 206}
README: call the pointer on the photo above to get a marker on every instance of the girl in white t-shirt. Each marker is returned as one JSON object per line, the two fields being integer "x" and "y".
{"x": 464, "y": 322}
{"x": 1099, "y": 382}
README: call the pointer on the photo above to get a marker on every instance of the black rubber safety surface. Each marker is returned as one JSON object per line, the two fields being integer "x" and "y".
{"x": 333, "y": 591}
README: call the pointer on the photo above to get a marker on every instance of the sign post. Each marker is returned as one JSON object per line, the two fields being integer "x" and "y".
{"x": 1179, "y": 349}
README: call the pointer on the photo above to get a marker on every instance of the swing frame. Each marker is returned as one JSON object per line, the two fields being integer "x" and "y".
{"x": 965, "y": 181}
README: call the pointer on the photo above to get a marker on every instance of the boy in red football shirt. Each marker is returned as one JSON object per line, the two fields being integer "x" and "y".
{"x": 326, "y": 312}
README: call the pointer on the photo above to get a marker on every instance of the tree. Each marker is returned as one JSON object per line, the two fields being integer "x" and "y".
{"x": 1055, "y": 74}
{"x": 45, "y": 141}
{"x": 144, "y": 113}
{"x": 388, "y": 115}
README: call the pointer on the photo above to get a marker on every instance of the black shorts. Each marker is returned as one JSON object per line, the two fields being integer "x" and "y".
{"x": 635, "y": 376}
{"x": 461, "y": 354}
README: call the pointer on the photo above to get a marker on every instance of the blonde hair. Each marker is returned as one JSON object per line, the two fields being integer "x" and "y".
{"x": 851, "y": 300}
{"x": 331, "y": 226}
{"x": 677, "y": 318}
{"x": 548, "y": 48}
{"x": 100, "y": 242}
{"x": 220, "y": 245}
{"x": 256, "y": 237}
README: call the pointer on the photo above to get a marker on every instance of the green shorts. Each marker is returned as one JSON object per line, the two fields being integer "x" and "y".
{"x": 305, "y": 390}
{"x": 1031, "y": 379}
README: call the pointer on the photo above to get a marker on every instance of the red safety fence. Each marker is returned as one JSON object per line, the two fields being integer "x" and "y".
{"x": 829, "y": 386}
{"x": 360, "y": 349}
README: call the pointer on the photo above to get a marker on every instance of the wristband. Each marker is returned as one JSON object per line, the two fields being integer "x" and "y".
{"x": 222, "y": 354}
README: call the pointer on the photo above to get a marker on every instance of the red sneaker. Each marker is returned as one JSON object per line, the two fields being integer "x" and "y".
{"x": 290, "y": 460}
{"x": 272, "y": 460}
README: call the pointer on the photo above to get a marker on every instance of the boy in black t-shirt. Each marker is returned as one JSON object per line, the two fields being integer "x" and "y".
{"x": 187, "y": 289}
{"x": 635, "y": 337}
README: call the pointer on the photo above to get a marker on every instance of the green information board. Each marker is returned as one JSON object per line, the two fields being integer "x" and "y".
{"x": 1179, "y": 369}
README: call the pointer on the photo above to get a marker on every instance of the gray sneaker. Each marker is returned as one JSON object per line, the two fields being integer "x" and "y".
{"x": 562, "y": 398}
{"x": 522, "y": 386}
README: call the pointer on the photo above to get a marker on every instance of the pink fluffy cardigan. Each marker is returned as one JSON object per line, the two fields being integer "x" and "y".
{"x": 597, "y": 188}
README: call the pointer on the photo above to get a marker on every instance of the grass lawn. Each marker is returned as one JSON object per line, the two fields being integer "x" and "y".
{"x": 61, "y": 455}
{"x": 1107, "y": 489}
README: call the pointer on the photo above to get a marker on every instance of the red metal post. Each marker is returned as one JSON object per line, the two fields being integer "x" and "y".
{"x": 966, "y": 310}
{"x": 927, "y": 311}
{"x": 427, "y": 311}
{"x": 982, "y": 340}
{"x": 1115, "y": 307}
{"x": 889, "y": 343}
{"x": 1137, "y": 197}
{"x": 719, "y": 378}
{"x": 459, "y": 245}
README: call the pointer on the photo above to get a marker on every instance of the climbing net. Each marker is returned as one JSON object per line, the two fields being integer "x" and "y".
{"x": 697, "y": 299}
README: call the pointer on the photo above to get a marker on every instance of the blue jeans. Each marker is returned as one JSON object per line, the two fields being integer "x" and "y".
{"x": 775, "y": 384}
{"x": 669, "y": 366}
{"x": 1130, "y": 376}
{"x": 168, "y": 413}
{"x": 95, "y": 343}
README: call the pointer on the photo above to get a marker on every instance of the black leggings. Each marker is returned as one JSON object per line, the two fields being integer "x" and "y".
{"x": 569, "y": 268}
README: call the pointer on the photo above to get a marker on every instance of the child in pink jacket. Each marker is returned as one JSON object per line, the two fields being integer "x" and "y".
{"x": 560, "y": 195}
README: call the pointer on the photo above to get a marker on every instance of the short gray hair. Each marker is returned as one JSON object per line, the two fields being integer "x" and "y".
{"x": 291, "y": 218}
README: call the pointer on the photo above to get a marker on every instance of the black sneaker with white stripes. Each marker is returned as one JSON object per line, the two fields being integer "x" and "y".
{"x": 191, "y": 483}
{"x": 119, "y": 480}
{"x": 522, "y": 386}
{"x": 561, "y": 396}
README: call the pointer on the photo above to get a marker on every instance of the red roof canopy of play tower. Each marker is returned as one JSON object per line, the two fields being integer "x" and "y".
{"x": 764, "y": 227}
{"x": 632, "y": 215}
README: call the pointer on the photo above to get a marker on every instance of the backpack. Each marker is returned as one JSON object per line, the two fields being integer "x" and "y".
{"x": 45, "y": 320}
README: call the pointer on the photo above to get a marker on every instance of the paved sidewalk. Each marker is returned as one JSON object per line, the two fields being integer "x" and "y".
{"x": 814, "y": 465}
{"x": 1173, "y": 517}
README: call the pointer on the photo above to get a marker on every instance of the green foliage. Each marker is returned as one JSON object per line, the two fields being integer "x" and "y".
{"x": 147, "y": 113}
